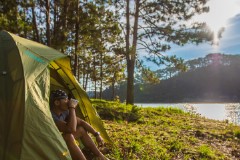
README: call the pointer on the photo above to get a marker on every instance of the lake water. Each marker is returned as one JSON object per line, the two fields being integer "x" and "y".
{"x": 215, "y": 111}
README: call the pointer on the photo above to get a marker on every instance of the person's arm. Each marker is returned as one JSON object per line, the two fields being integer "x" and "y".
{"x": 71, "y": 125}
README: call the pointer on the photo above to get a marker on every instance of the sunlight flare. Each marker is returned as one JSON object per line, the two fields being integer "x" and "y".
{"x": 218, "y": 16}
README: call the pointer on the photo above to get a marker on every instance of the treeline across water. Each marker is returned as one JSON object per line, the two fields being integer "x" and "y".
{"x": 214, "y": 78}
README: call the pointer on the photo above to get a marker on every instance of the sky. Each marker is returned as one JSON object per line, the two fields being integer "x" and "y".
{"x": 223, "y": 13}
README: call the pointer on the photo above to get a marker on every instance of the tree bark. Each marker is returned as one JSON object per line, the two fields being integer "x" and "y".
{"x": 129, "y": 99}
{"x": 36, "y": 35}
{"x": 55, "y": 27}
{"x": 94, "y": 77}
{"x": 113, "y": 90}
{"x": 47, "y": 5}
{"x": 76, "y": 41}
{"x": 64, "y": 24}
{"x": 86, "y": 81}
{"x": 131, "y": 55}
{"x": 130, "y": 82}
{"x": 101, "y": 75}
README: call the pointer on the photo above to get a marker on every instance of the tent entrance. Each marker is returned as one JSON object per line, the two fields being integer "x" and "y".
{"x": 57, "y": 82}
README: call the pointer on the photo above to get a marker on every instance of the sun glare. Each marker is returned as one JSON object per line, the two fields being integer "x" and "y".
{"x": 217, "y": 17}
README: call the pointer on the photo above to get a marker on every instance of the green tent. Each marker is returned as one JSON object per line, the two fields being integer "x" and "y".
{"x": 28, "y": 71}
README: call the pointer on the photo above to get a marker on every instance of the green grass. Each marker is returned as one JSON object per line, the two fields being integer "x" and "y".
{"x": 237, "y": 134}
{"x": 165, "y": 133}
{"x": 205, "y": 152}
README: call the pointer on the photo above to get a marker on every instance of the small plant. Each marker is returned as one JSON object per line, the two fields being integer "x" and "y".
{"x": 233, "y": 112}
{"x": 116, "y": 153}
{"x": 192, "y": 140}
{"x": 205, "y": 152}
{"x": 134, "y": 114}
{"x": 135, "y": 146}
{"x": 175, "y": 146}
{"x": 162, "y": 154}
{"x": 237, "y": 134}
{"x": 190, "y": 108}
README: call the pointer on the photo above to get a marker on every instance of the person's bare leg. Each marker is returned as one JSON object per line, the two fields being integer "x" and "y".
{"x": 88, "y": 142}
{"x": 75, "y": 151}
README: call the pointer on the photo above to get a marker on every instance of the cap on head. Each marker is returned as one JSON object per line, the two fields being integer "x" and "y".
{"x": 58, "y": 94}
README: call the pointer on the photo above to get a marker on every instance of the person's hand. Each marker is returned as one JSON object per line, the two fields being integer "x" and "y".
{"x": 72, "y": 103}
{"x": 99, "y": 140}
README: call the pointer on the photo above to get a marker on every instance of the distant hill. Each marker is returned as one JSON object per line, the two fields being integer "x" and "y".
{"x": 214, "y": 78}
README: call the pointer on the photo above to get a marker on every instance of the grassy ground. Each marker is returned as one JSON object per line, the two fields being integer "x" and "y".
{"x": 166, "y": 133}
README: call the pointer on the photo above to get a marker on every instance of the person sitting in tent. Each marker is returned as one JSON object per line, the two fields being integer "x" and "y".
{"x": 72, "y": 127}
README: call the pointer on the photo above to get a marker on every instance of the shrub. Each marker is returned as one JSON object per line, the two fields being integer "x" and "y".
{"x": 111, "y": 110}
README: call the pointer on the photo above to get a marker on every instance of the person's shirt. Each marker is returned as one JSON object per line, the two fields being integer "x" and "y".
{"x": 62, "y": 117}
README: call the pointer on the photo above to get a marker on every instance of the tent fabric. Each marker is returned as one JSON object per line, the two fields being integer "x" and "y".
{"x": 11, "y": 99}
{"x": 28, "y": 71}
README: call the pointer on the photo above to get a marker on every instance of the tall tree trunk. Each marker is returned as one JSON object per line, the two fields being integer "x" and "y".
{"x": 35, "y": 28}
{"x": 129, "y": 99}
{"x": 55, "y": 27}
{"x": 135, "y": 31}
{"x": 85, "y": 75}
{"x": 15, "y": 25}
{"x": 86, "y": 81}
{"x": 76, "y": 41}
{"x": 78, "y": 74}
{"x": 63, "y": 17}
{"x": 47, "y": 5}
{"x": 75, "y": 66}
{"x": 94, "y": 77}
{"x": 130, "y": 82}
{"x": 113, "y": 90}
{"x": 101, "y": 75}
{"x": 83, "y": 81}
{"x": 35, "y": 31}
{"x": 25, "y": 19}
{"x": 131, "y": 54}
{"x": 95, "y": 90}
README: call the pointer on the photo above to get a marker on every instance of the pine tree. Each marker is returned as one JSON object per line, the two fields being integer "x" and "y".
{"x": 154, "y": 26}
